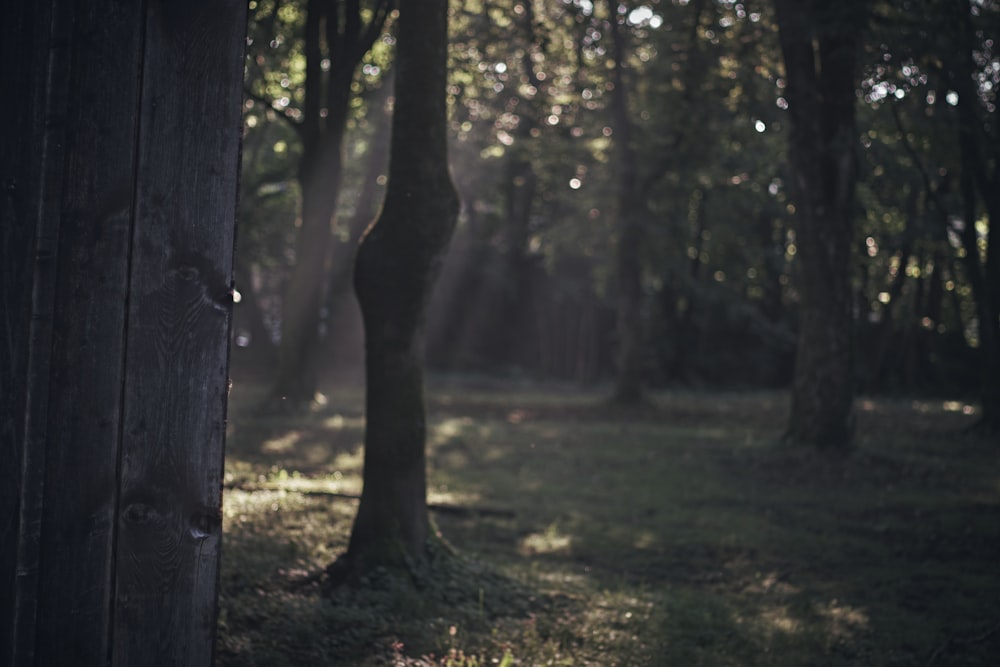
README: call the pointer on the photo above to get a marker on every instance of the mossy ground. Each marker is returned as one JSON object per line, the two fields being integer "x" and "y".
{"x": 681, "y": 533}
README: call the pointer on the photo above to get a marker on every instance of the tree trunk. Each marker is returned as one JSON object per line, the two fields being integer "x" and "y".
{"x": 334, "y": 31}
{"x": 978, "y": 177}
{"x": 819, "y": 42}
{"x": 296, "y": 376}
{"x": 397, "y": 263}
{"x": 628, "y": 358}
{"x": 257, "y": 354}
{"x": 980, "y": 276}
{"x": 339, "y": 297}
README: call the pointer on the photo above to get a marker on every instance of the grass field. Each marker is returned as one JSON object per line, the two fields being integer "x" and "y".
{"x": 678, "y": 534}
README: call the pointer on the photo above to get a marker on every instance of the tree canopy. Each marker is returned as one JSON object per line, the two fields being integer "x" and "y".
{"x": 579, "y": 129}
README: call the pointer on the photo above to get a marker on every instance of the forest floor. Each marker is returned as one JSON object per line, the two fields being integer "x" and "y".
{"x": 678, "y": 534}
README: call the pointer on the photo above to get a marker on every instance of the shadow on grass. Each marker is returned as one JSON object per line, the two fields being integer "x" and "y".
{"x": 674, "y": 534}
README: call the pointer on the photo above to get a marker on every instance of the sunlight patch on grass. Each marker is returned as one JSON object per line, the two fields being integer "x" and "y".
{"x": 549, "y": 541}
{"x": 646, "y": 540}
{"x": 241, "y": 507}
{"x": 448, "y": 429}
{"x": 676, "y": 535}
{"x": 451, "y": 498}
{"x": 339, "y": 422}
{"x": 334, "y": 483}
{"x": 349, "y": 463}
{"x": 282, "y": 444}
{"x": 777, "y": 619}
{"x": 459, "y": 430}
{"x": 843, "y": 621}
{"x": 771, "y": 583}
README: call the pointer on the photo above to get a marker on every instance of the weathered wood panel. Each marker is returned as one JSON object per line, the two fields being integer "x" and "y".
{"x": 102, "y": 57}
{"x": 119, "y": 164}
{"x": 176, "y": 370}
{"x": 24, "y": 43}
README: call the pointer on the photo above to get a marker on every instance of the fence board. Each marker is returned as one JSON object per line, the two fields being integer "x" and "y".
{"x": 119, "y": 163}
{"x": 87, "y": 347}
{"x": 176, "y": 363}
{"x": 24, "y": 41}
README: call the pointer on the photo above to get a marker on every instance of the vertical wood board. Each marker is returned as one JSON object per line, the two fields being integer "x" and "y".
{"x": 21, "y": 54}
{"x": 119, "y": 167}
{"x": 85, "y": 393}
{"x": 176, "y": 368}
{"x": 36, "y": 187}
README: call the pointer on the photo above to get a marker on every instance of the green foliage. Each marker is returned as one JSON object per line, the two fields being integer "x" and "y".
{"x": 531, "y": 133}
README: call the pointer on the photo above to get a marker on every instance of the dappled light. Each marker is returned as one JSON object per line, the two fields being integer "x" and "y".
{"x": 705, "y": 382}
{"x": 281, "y": 445}
{"x": 548, "y": 541}
{"x": 844, "y": 621}
{"x": 576, "y": 333}
{"x": 953, "y": 406}
{"x": 778, "y": 619}
{"x": 680, "y": 529}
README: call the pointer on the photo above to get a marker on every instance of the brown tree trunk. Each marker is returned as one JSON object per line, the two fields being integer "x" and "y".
{"x": 819, "y": 42}
{"x": 396, "y": 266}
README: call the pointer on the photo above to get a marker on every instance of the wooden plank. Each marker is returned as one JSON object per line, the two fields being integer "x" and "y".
{"x": 71, "y": 295}
{"x": 45, "y": 28}
{"x": 87, "y": 352}
{"x": 176, "y": 364}
{"x": 24, "y": 55}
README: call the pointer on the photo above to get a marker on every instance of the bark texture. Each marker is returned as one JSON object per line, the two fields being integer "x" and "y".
{"x": 819, "y": 43}
{"x": 396, "y": 266}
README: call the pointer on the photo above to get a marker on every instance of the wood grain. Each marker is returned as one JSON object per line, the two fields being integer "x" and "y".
{"x": 24, "y": 45}
{"x": 176, "y": 368}
{"x": 119, "y": 164}
{"x": 88, "y": 343}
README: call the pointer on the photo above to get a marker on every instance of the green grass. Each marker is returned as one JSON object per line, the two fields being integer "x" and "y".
{"x": 680, "y": 534}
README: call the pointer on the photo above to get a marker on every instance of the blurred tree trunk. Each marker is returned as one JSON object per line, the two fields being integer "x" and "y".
{"x": 259, "y": 352}
{"x": 980, "y": 177}
{"x": 885, "y": 367}
{"x": 631, "y": 207}
{"x": 335, "y": 33}
{"x": 632, "y": 195}
{"x": 397, "y": 263}
{"x": 819, "y": 42}
{"x": 923, "y": 362}
{"x": 686, "y": 332}
{"x": 339, "y": 296}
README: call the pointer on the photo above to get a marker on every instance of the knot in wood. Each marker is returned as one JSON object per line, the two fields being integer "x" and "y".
{"x": 140, "y": 513}
{"x": 187, "y": 272}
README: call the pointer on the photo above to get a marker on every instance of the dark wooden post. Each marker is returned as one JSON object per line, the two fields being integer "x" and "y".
{"x": 119, "y": 158}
